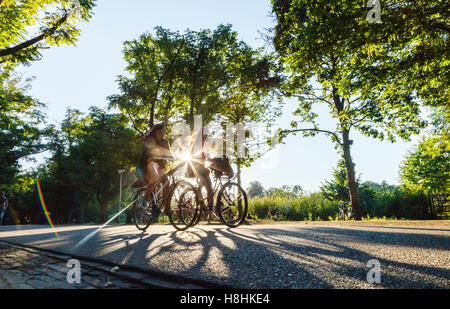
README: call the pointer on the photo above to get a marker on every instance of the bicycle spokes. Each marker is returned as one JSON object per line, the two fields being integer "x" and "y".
{"x": 233, "y": 205}
{"x": 142, "y": 211}
{"x": 183, "y": 205}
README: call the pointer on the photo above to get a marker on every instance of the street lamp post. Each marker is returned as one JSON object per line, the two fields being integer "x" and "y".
{"x": 120, "y": 191}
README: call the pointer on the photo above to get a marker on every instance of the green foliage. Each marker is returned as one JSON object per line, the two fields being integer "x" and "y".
{"x": 337, "y": 189}
{"x": 408, "y": 53}
{"x": 303, "y": 207}
{"x": 255, "y": 189}
{"x": 399, "y": 203}
{"x": 81, "y": 176}
{"x": 385, "y": 202}
{"x": 248, "y": 99}
{"x": 427, "y": 167}
{"x": 316, "y": 42}
{"x": 21, "y": 127}
{"x": 152, "y": 93}
{"x": 331, "y": 44}
{"x": 207, "y": 73}
{"x": 57, "y": 20}
{"x": 285, "y": 191}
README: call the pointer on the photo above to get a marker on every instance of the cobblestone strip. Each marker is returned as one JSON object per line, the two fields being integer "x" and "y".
{"x": 23, "y": 268}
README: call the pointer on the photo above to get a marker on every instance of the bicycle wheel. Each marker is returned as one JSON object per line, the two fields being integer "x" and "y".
{"x": 183, "y": 205}
{"x": 232, "y": 204}
{"x": 142, "y": 211}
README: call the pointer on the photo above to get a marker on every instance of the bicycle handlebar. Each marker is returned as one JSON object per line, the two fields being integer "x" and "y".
{"x": 163, "y": 158}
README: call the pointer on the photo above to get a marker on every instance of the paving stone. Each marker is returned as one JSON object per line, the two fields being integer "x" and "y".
{"x": 22, "y": 269}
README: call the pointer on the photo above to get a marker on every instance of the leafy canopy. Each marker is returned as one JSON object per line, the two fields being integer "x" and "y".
{"x": 327, "y": 43}
{"x": 28, "y": 26}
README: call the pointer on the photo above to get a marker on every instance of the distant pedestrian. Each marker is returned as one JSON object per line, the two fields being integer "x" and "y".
{"x": 3, "y": 206}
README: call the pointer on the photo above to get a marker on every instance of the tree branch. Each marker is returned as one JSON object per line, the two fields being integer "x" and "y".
{"x": 26, "y": 44}
{"x": 336, "y": 137}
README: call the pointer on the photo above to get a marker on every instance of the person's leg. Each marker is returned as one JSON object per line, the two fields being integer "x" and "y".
{"x": 205, "y": 181}
{"x": 165, "y": 182}
{"x": 151, "y": 176}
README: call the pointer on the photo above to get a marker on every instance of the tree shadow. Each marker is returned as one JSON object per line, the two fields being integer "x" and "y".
{"x": 257, "y": 257}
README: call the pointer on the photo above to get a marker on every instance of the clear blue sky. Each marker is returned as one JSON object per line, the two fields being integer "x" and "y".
{"x": 83, "y": 76}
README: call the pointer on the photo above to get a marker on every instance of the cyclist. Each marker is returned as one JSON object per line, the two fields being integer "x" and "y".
{"x": 198, "y": 163}
{"x": 151, "y": 169}
{"x": 219, "y": 164}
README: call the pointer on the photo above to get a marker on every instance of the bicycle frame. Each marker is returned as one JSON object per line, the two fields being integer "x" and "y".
{"x": 216, "y": 184}
{"x": 159, "y": 198}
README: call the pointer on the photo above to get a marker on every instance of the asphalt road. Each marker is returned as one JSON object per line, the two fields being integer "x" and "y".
{"x": 294, "y": 255}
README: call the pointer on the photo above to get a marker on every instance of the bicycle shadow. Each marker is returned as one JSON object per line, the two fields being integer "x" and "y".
{"x": 266, "y": 257}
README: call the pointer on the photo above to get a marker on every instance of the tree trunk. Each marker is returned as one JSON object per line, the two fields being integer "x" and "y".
{"x": 351, "y": 178}
{"x": 69, "y": 214}
{"x": 103, "y": 208}
{"x": 82, "y": 211}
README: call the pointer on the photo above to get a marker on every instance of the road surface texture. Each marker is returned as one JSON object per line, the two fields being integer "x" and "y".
{"x": 31, "y": 269}
{"x": 412, "y": 254}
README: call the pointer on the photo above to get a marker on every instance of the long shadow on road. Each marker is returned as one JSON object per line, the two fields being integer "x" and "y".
{"x": 265, "y": 258}
{"x": 257, "y": 257}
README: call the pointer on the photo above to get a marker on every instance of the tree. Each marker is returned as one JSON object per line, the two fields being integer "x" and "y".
{"x": 255, "y": 189}
{"x": 285, "y": 191}
{"x": 21, "y": 127}
{"x": 151, "y": 94}
{"x": 316, "y": 44}
{"x": 87, "y": 152}
{"x": 206, "y": 73}
{"x": 337, "y": 188}
{"x": 66, "y": 176}
{"x": 57, "y": 20}
{"x": 247, "y": 100}
{"x": 175, "y": 75}
{"x": 205, "y": 65}
{"x": 427, "y": 167}
{"x": 409, "y": 50}
{"x": 108, "y": 147}
{"x": 296, "y": 190}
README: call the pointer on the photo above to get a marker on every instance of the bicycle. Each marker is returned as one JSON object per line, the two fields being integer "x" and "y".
{"x": 149, "y": 205}
{"x": 231, "y": 202}
{"x": 342, "y": 216}
{"x": 274, "y": 214}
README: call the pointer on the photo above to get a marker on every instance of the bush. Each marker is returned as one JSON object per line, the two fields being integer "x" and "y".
{"x": 304, "y": 207}
{"x": 393, "y": 203}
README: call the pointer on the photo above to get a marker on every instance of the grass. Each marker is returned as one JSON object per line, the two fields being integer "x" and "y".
{"x": 312, "y": 207}
{"x": 315, "y": 207}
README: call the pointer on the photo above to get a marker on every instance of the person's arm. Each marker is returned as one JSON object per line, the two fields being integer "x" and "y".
{"x": 155, "y": 150}
{"x": 206, "y": 148}
{"x": 165, "y": 150}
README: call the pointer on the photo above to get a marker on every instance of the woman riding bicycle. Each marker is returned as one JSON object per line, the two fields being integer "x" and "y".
{"x": 152, "y": 169}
